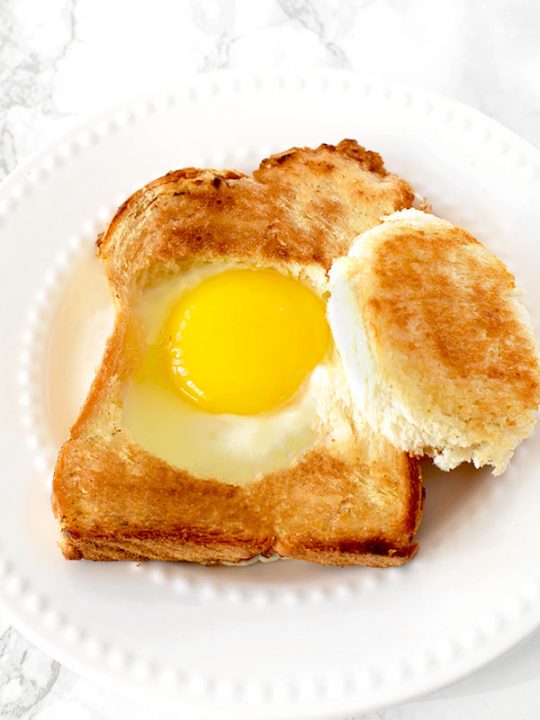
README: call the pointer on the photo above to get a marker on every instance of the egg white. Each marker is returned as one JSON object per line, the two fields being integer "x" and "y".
{"x": 230, "y": 448}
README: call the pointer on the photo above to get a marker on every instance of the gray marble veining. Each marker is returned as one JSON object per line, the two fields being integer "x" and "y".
{"x": 61, "y": 60}
{"x": 308, "y": 15}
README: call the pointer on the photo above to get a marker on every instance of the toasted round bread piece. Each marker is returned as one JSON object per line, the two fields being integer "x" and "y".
{"x": 439, "y": 352}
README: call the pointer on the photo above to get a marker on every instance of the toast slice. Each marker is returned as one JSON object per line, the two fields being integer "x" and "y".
{"x": 439, "y": 352}
{"x": 351, "y": 497}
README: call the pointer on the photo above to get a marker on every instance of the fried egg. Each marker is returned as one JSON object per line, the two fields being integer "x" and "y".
{"x": 239, "y": 371}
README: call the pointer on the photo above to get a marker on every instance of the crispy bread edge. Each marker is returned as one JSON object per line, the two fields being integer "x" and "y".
{"x": 189, "y": 544}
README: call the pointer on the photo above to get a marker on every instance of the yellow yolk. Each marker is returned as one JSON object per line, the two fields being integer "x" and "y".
{"x": 243, "y": 341}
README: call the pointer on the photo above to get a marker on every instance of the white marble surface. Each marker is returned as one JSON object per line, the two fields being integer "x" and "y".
{"x": 61, "y": 60}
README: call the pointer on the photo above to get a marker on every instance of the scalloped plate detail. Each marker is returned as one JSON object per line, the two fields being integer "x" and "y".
{"x": 271, "y": 640}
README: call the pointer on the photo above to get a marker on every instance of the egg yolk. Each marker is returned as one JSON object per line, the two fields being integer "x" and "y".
{"x": 243, "y": 341}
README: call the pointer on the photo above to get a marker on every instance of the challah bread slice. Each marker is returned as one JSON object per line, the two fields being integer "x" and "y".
{"x": 350, "y": 498}
{"x": 438, "y": 350}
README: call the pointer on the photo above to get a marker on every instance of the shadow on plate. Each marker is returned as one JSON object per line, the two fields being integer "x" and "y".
{"x": 451, "y": 498}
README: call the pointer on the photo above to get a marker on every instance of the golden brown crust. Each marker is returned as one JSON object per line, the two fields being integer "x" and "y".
{"x": 441, "y": 311}
{"x": 125, "y": 502}
{"x": 306, "y": 210}
{"x": 114, "y": 500}
{"x": 441, "y": 350}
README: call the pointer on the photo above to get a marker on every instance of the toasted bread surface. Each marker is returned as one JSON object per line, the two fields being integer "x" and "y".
{"x": 209, "y": 215}
{"x": 347, "y": 500}
{"x": 450, "y": 366}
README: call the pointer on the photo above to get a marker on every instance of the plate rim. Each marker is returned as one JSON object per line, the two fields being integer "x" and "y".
{"x": 259, "y": 78}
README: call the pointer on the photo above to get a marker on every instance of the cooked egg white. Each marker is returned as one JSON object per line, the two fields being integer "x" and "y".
{"x": 240, "y": 375}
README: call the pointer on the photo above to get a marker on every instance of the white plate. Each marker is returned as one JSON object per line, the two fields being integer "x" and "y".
{"x": 282, "y": 640}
